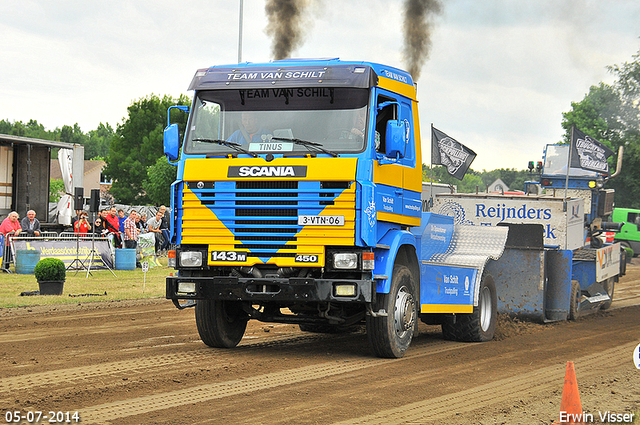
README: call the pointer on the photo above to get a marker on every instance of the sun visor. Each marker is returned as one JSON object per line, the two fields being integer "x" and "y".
{"x": 359, "y": 76}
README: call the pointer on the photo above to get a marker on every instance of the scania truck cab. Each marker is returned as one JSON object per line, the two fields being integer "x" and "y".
{"x": 298, "y": 200}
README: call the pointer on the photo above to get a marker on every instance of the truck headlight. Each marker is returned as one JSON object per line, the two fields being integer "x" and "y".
{"x": 191, "y": 259}
{"x": 345, "y": 290}
{"x": 186, "y": 287}
{"x": 345, "y": 260}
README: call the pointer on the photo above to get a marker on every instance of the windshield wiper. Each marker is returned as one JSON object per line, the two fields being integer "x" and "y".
{"x": 312, "y": 146}
{"x": 228, "y": 144}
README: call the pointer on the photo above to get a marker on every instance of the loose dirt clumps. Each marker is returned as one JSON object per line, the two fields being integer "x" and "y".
{"x": 509, "y": 327}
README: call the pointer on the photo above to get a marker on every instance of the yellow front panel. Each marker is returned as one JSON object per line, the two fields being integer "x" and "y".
{"x": 320, "y": 169}
{"x": 241, "y": 215}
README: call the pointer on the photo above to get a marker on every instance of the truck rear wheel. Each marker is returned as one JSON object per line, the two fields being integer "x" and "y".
{"x": 479, "y": 326}
{"x": 391, "y": 335}
{"x": 221, "y": 324}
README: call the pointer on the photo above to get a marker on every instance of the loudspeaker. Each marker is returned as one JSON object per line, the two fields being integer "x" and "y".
{"x": 78, "y": 198}
{"x": 94, "y": 204}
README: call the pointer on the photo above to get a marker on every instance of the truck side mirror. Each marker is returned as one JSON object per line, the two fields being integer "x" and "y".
{"x": 171, "y": 142}
{"x": 395, "y": 142}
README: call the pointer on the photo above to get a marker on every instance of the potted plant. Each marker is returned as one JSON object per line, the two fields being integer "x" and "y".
{"x": 50, "y": 274}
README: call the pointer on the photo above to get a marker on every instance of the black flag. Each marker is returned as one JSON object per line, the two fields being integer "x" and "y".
{"x": 450, "y": 153}
{"x": 588, "y": 153}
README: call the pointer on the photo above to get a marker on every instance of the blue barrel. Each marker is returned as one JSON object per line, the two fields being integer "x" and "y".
{"x": 125, "y": 259}
{"x": 26, "y": 260}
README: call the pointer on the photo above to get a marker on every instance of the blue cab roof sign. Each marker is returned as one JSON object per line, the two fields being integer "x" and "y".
{"x": 296, "y": 73}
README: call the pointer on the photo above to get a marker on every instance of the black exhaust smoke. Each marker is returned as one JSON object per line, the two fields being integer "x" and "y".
{"x": 418, "y": 22}
{"x": 285, "y": 25}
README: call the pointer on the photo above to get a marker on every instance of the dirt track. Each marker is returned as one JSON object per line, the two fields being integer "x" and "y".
{"x": 143, "y": 363}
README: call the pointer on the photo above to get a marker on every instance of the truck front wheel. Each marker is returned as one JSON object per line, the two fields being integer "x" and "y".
{"x": 391, "y": 335}
{"x": 480, "y": 325}
{"x": 221, "y": 324}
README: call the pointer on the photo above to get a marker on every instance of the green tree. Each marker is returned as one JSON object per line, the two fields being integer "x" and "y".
{"x": 513, "y": 178}
{"x": 611, "y": 114}
{"x": 72, "y": 134}
{"x": 469, "y": 183}
{"x": 97, "y": 144}
{"x": 5, "y": 127}
{"x": 56, "y": 189}
{"x": 157, "y": 185}
{"x": 137, "y": 145}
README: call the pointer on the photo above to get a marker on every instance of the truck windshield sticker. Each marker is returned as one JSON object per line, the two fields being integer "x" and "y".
{"x": 271, "y": 147}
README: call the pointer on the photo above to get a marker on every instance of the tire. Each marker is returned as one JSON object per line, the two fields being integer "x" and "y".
{"x": 221, "y": 324}
{"x": 574, "y": 302}
{"x": 609, "y": 286}
{"x": 627, "y": 245}
{"x": 391, "y": 335}
{"x": 479, "y": 326}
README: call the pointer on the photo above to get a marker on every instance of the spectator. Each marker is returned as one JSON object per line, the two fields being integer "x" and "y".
{"x": 100, "y": 229}
{"x": 143, "y": 223}
{"x": 165, "y": 229}
{"x": 83, "y": 225}
{"x": 30, "y": 224}
{"x": 75, "y": 218}
{"x": 139, "y": 225}
{"x": 121, "y": 219}
{"x": 131, "y": 233}
{"x": 110, "y": 219}
{"x": 11, "y": 225}
{"x": 153, "y": 226}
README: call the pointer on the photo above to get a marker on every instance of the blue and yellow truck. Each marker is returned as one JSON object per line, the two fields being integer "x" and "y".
{"x": 298, "y": 200}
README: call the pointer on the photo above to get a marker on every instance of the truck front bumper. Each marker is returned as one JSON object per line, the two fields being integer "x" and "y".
{"x": 287, "y": 290}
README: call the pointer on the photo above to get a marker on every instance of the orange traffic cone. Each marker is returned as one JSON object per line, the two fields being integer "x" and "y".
{"x": 570, "y": 407}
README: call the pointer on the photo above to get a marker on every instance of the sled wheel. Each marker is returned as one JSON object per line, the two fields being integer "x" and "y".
{"x": 391, "y": 335}
{"x": 221, "y": 324}
{"x": 480, "y": 325}
{"x": 608, "y": 285}
{"x": 574, "y": 303}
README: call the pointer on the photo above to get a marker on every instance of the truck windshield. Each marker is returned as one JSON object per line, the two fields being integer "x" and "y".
{"x": 333, "y": 118}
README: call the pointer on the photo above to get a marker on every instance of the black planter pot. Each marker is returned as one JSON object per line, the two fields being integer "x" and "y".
{"x": 51, "y": 287}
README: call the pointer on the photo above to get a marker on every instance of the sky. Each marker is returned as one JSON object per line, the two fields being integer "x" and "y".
{"x": 499, "y": 75}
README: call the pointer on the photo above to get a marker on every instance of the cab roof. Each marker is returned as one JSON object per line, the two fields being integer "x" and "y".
{"x": 290, "y": 73}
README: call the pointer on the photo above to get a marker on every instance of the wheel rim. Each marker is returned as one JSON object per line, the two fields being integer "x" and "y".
{"x": 404, "y": 313}
{"x": 485, "y": 308}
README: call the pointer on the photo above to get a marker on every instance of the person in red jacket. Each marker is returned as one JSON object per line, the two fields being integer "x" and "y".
{"x": 113, "y": 226}
{"x": 82, "y": 225}
{"x": 10, "y": 227}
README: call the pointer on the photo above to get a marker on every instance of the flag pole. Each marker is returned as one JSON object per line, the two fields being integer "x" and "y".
{"x": 431, "y": 172}
{"x": 566, "y": 186}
